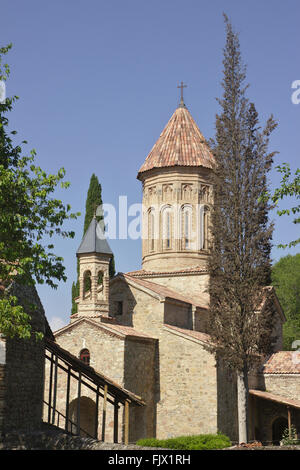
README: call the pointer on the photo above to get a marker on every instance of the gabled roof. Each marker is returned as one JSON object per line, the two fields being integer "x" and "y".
{"x": 180, "y": 144}
{"x": 111, "y": 329}
{"x": 163, "y": 292}
{"x": 190, "y": 334}
{"x": 94, "y": 240}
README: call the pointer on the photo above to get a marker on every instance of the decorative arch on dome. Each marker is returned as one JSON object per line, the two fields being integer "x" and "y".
{"x": 204, "y": 226}
{"x": 167, "y": 224}
{"x": 151, "y": 229}
{"x": 186, "y": 224}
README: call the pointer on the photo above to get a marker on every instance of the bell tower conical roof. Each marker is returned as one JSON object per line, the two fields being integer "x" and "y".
{"x": 181, "y": 143}
{"x": 94, "y": 240}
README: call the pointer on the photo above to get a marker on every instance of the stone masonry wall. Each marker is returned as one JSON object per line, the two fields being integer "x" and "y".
{"x": 185, "y": 373}
{"x": 24, "y": 369}
{"x": 188, "y": 388}
{"x": 285, "y": 385}
{"x": 139, "y": 378}
{"x": 106, "y": 357}
{"x": 184, "y": 284}
{"x": 127, "y": 361}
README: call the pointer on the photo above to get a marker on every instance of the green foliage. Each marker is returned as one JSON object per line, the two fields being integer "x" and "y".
{"x": 290, "y": 437}
{"x": 200, "y": 442}
{"x": 286, "y": 280}
{"x": 28, "y": 213}
{"x": 14, "y": 321}
{"x": 93, "y": 201}
{"x": 75, "y": 293}
{"x": 290, "y": 187}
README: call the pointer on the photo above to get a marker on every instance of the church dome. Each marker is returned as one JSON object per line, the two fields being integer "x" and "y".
{"x": 180, "y": 144}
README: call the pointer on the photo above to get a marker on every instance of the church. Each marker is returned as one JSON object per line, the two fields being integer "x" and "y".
{"x": 147, "y": 330}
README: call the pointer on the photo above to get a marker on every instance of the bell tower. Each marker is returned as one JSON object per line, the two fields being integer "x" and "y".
{"x": 94, "y": 255}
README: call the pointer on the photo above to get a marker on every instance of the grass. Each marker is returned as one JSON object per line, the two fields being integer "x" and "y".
{"x": 199, "y": 442}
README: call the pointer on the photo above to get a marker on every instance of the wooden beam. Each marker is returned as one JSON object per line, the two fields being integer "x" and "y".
{"x": 116, "y": 421}
{"x": 104, "y": 413}
{"x": 50, "y": 389}
{"x": 289, "y": 422}
{"x": 88, "y": 385}
{"x": 55, "y": 390}
{"x": 78, "y": 404}
{"x": 126, "y": 434}
{"x": 97, "y": 413}
{"x": 68, "y": 399}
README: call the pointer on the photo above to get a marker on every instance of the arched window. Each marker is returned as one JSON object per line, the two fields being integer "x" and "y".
{"x": 84, "y": 356}
{"x": 186, "y": 227}
{"x": 151, "y": 229}
{"x": 204, "y": 227}
{"x": 86, "y": 283}
{"x": 167, "y": 218}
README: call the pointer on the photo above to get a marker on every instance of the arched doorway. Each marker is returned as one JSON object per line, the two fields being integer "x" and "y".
{"x": 87, "y": 416}
{"x": 278, "y": 427}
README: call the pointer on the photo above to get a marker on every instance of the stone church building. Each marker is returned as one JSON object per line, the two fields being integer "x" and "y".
{"x": 147, "y": 330}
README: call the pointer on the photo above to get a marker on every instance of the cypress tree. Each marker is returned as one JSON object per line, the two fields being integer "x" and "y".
{"x": 241, "y": 236}
{"x": 93, "y": 201}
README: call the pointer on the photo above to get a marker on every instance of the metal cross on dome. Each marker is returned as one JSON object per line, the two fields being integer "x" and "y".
{"x": 182, "y": 86}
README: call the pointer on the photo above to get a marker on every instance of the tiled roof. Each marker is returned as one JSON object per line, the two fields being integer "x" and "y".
{"x": 283, "y": 362}
{"x": 191, "y": 333}
{"x": 143, "y": 273}
{"x": 180, "y": 144}
{"x": 108, "y": 328}
{"x": 276, "y": 398}
{"x": 201, "y": 300}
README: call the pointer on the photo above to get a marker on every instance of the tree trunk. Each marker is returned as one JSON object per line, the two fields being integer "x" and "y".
{"x": 242, "y": 395}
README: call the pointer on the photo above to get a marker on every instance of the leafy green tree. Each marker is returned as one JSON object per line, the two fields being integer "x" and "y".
{"x": 28, "y": 214}
{"x": 289, "y": 187}
{"x": 241, "y": 235}
{"x": 93, "y": 201}
{"x": 286, "y": 279}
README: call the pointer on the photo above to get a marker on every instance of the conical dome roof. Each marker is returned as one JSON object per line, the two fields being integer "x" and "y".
{"x": 180, "y": 144}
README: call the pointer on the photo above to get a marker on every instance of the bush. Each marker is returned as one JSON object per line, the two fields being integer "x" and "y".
{"x": 288, "y": 439}
{"x": 200, "y": 442}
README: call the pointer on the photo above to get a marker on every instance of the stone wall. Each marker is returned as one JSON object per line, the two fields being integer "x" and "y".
{"x": 185, "y": 373}
{"x": 139, "y": 378}
{"x": 285, "y": 385}
{"x": 186, "y": 284}
{"x": 187, "y": 388}
{"x": 178, "y": 314}
{"x": 129, "y": 361}
{"x": 23, "y": 383}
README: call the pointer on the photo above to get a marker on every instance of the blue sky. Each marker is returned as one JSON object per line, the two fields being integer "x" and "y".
{"x": 98, "y": 80}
